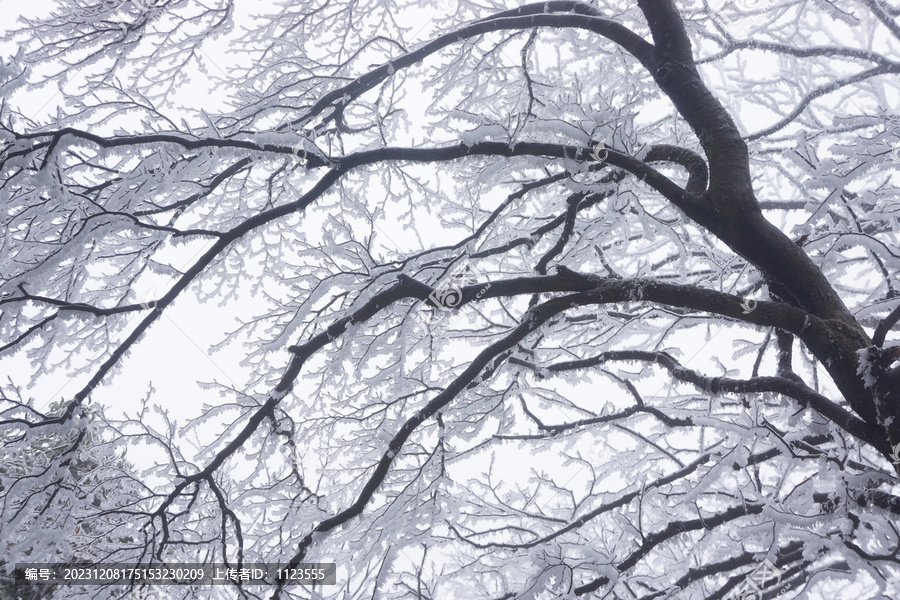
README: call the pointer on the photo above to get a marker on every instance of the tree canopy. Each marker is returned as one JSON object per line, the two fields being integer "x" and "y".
{"x": 558, "y": 300}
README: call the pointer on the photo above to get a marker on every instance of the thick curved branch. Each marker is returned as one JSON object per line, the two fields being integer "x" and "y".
{"x": 735, "y": 217}
{"x": 688, "y": 201}
{"x": 737, "y": 222}
{"x": 667, "y": 29}
{"x": 818, "y": 334}
{"x": 543, "y": 14}
{"x": 698, "y": 173}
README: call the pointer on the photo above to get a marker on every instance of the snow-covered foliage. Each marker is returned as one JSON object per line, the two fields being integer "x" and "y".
{"x": 685, "y": 215}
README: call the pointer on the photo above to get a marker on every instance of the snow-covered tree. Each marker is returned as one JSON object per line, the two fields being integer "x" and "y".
{"x": 557, "y": 300}
{"x": 66, "y": 495}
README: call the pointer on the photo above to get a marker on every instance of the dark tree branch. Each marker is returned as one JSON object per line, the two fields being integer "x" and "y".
{"x": 363, "y": 158}
{"x": 822, "y": 91}
{"x": 619, "y": 502}
{"x": 797, "y": 390}
{"x": 671, "y": 531}
{"x": 885, "y": 325}
{"x": 718, "y": 197}
{"x": 568, "y": 226}
{"x": 785, "y": 352}
{"x": 888, "y": 502}
{"x": 530, "y": 321}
